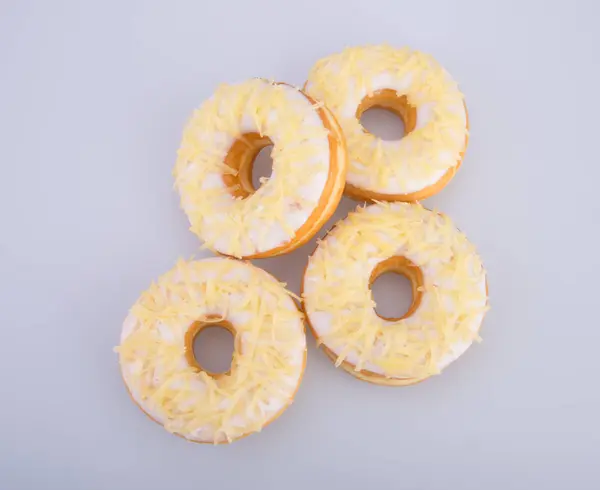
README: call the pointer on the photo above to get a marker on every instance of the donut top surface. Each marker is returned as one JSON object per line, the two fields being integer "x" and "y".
{"x": 268, "y": 361}
{"x": 452, "y": 291}
{"x": 242, "y": 224}
{"x": 438, "y": 133}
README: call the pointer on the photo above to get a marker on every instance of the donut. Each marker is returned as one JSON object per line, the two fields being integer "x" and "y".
{"x": 161, "y": 373}
{"x": 449, "y": 293}
{"x": 213, "y": 173}
{"x": 416, "y": 88}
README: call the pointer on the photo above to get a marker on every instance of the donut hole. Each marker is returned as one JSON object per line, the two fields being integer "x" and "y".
{"x": 395, "y": 287}
{"x": 262, "y": 168}
{"x": 250, "y": 160}
{"x": 387, "y": 115}
{"x": 210, "y": 347}
{"x": 392, "y": 293}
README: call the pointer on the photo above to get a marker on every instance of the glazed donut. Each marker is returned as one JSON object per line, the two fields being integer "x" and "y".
{"x": 449, "y": 293}
{"x": 161, "y": 372}
{"x": 213, "y": 172}
{"x": 417, "y": 89}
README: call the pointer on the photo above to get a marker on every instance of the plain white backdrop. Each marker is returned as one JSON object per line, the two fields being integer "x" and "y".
{"x": 93, "y": 99}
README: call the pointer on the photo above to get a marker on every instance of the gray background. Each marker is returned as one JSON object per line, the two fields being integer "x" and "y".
{"x": 93, "y": 98}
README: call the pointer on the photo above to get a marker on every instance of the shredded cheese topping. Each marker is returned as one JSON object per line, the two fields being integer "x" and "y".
{"x": 340, "y": 306}
{"x": 265, "y": 371}
{"x": 269, "y": 217}
{"x": 424, "y": 155}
